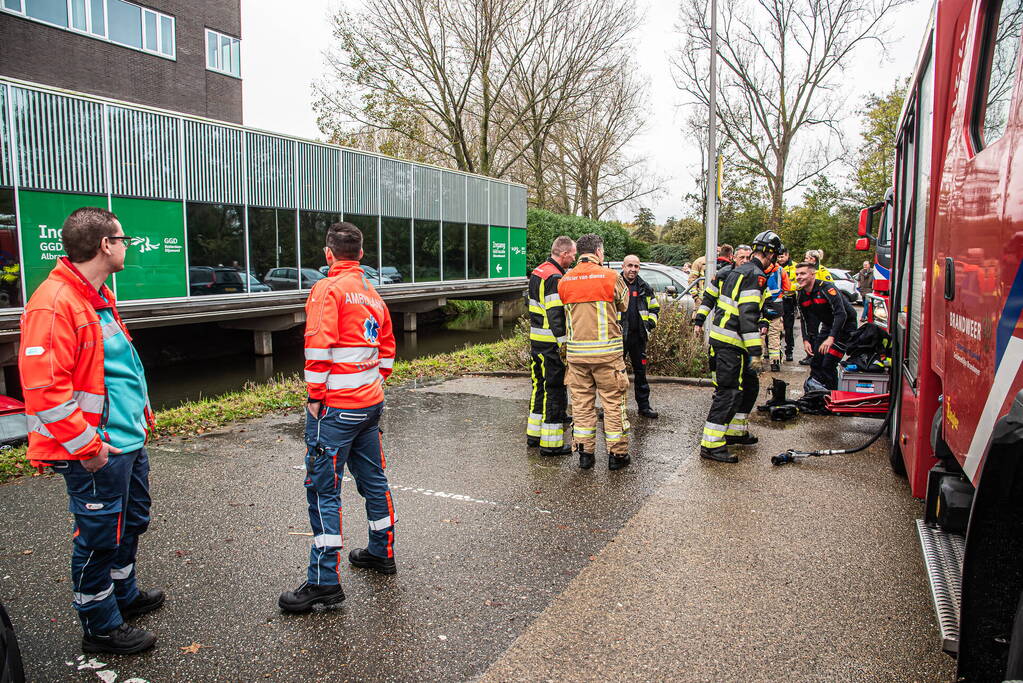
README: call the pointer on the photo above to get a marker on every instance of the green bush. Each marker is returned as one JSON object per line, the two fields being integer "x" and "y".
{"x": 543, "y": 226}
{"x": 673, "y": 349}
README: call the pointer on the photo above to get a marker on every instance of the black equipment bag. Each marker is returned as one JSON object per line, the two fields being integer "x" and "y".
{"x": 11, "y": 669}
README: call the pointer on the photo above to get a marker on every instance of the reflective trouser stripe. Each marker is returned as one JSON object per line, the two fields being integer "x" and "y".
{"x": 738, "y": 426}
{"x": 328, "y": 541}
{"x": 552, "y": 435}
{"x": 613, "y": 436}
{"x": 713, "y": 435}
{"x": 122, "y": 572}
{"x": 533, "y": 424}
{"x": 583, "y": 433}
{"x": 86, "y": 598}
{"x": 381, "y": 524}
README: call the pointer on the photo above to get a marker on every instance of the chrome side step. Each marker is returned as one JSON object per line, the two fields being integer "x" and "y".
{"x": 943, "y": 555}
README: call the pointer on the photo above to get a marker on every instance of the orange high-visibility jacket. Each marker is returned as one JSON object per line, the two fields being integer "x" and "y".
{"x": 349, "y": 345}
{"x": 61, "y": 364}
{"x": 593, "y": 296}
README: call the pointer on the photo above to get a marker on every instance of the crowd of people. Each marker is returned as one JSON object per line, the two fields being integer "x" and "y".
{"x": 87, "y": 403}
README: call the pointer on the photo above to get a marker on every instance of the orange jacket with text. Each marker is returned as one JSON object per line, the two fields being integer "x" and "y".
{"x": 593, "y": 296}
{"x": 349, "y": 345}
{"x": 61, "y": 365}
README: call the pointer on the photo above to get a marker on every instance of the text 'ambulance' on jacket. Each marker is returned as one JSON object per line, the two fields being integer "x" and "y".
{"x": 349, "y": 344}
{"x": 62, "y": 365}
{"x": 546, "y": 312}
{"x": 737, "y": 318}
{"x": 593, "y": 297}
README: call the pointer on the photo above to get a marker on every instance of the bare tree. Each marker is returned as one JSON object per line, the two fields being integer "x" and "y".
{"x": 782, "y": 62}
{"x": 480, "y": 83}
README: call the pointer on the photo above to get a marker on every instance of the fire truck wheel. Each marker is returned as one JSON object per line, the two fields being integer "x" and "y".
{"x": 895, "y": 459}
{"x": 1014, "y": 668}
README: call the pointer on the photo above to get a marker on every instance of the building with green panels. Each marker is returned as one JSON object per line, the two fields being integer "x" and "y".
{"x": 224, "y": 211}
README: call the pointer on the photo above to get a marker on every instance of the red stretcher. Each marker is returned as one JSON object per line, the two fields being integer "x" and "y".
{"x": 852, "y": 404}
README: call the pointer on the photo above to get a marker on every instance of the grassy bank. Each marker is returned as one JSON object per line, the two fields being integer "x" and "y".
{"x": 258, "y": 399}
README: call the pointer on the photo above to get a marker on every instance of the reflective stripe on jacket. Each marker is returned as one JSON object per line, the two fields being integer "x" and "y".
{"x": 644, "y": 301}
{"x": 736, "y": 320}
{"x": 546, "y": 312}
{"x": 61, "y": 365}
{"x": 349, "y": 344}
{"x": 593, "y": 297}
{"x": 711, "y": 291}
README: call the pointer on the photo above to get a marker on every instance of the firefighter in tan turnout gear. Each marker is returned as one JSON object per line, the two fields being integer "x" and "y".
{"x": 593, "y": 297}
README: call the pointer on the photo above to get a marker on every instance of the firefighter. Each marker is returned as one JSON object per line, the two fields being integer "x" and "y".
{"x": 736, "y": 352}
{"x": 349, "y": 353}
{"x": 593, "y": 298}
{"x": 828, "y": 320}
{"x": 710, "y": 290}
{"x": 788, "y": 301}
{"x": 637, "y": 323}
{"x": 88, "y": 412}
{"x": 816, "y": 256}
{"x": 548, "y": 401}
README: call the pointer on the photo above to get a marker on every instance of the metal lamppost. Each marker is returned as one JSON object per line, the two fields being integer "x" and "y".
{"x": 712, "y": 153}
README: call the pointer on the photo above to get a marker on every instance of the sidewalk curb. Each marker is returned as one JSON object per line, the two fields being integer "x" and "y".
{"x": 689, "y": 381}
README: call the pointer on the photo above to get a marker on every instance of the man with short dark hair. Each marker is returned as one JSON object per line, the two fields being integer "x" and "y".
{"x": 89, "y": 417}
{"x": 593, "y": 296}
{"x": 638, "y": 321}
{"x": 548, "y": 402}
{"x": 828, "y": 321}
{"x": 349, "y": 353}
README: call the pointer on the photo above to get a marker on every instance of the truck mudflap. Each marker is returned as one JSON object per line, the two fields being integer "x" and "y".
{"x": 992, "y": 569}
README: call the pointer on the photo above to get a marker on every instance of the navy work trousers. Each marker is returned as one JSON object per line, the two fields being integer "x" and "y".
{"x": 111, "y": 509}
{"x": 339, "y": 436}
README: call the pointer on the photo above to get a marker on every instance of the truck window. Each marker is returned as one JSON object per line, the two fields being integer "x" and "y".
{"x": 1003, "y": 21}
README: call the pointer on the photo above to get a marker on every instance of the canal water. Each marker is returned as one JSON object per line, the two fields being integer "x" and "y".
{"x": 190, "y": 362}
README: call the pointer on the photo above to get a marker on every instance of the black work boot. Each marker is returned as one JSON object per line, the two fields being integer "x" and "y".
{"x": 147, "y": 601}
{"x": 362, "y": 558}
{"x": 788, "y": 355}
{"x": 649, "y": 412}
{"x": 746, "y": 439}
{"x": 586, "y": 460}
{"x": 616, "y": 461}
{"x": 532, "y": 442}
{"x": 565, "y": 449}
{"x": 123, "y": 640}
{"x": 775, "y": 366}
{"x": 308, "y": 594}
{"x": 719, "y": 454}
{"x": 806, "y": 360}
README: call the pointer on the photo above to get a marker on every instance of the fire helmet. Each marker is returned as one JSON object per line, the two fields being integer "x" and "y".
{"x": 769, "y": 243}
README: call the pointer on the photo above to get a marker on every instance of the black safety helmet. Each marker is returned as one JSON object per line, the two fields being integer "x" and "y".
{"x": 769, "y": 243}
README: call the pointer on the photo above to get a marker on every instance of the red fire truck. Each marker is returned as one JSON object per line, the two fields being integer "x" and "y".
{"x": 949, "y": 242}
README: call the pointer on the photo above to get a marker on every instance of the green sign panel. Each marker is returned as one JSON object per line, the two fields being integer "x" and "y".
{"x": 42, "y": 216}
{"x": 517, "y": 252}
{"x": 154, "y": 268}
{"x": 498, "y": 252}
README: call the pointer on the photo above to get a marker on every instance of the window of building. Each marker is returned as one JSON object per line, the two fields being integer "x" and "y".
{"x": 216, "y": 249}
{"x": 117, "y": 21}
{"x": 313, "y": 237}
{"x": 1004, "y": 22}
{"x": 427, "y": 251}
{"x": 477, "y": 249}
{"x": 223, "y": 54}
{"x": 396, "y": 249}
{"x": 272, "y": 246}
{"x": 10, "y": 265}
{"x": 370, "y": 245}
{"x": 454, "y": 251}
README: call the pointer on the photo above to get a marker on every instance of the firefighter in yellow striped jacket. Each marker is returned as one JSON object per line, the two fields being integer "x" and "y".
{"x": 736, "y": 351}
{"x": 548, "y": 402}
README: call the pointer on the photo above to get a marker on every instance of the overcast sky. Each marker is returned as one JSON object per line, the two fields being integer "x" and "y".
{"x": 282, "y": 54}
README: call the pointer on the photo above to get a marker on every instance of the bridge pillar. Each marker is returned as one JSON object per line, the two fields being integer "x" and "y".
{"x": 264, "y": 342}
{"x": 408, "y": 321}
{"x": 263, "y": 328}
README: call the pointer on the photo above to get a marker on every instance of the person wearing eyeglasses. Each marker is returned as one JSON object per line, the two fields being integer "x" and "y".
{"x": 89, "y": 416}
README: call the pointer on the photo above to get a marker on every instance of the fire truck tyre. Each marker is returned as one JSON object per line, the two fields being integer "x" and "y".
{"x": 1014, "y": 667}
{"x": 10, "y": 657}
{"x": 895, "y": 459}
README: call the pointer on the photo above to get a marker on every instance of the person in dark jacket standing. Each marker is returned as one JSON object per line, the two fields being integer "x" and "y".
{"x": 637, "y": 322}
{"x": 828, "y": 321}
{"x": 548, "y": 402}
{"x": 736, "y": 351}
{"x": 710, "y": 289}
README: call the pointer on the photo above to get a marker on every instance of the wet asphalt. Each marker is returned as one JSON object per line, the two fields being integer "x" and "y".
{"x": 511, "y": 566}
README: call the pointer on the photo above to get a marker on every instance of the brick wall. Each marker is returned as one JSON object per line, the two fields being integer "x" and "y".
{"x": 56, "y": 57}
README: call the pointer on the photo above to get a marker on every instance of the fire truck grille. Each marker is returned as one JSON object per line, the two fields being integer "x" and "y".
{"x": 943, "y": 555}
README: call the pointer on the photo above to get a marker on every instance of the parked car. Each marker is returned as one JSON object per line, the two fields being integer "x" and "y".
{"x": 372, "y": 274}
{"x": 13, "y": 425}
{"x": 286, "y": 279}
{"x": 391, "y": 272}
{"x": 255, "y": 285}
{"x": 846, "y": 284}
{"x": 666, "y": 281}
{"x": 214, "y": 280}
